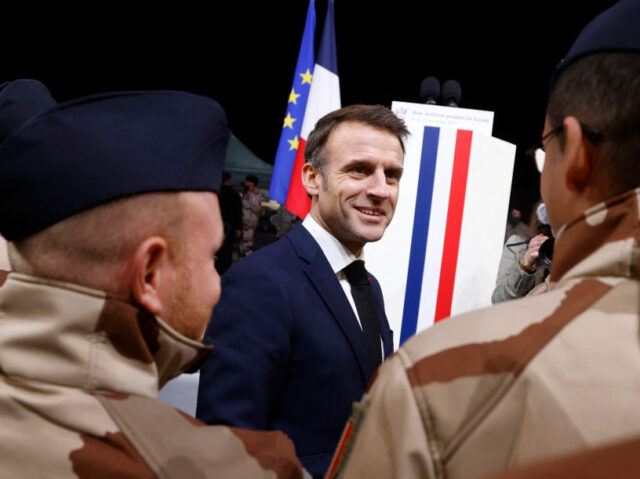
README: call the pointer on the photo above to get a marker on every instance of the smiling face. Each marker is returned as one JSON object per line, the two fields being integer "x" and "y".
{"x": 356, "y": 201}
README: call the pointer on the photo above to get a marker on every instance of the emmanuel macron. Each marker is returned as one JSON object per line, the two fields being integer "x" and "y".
{"x": 300, "y": 330}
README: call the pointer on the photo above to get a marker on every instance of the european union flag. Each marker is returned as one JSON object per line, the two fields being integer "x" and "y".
{"x": 290, "y": 137}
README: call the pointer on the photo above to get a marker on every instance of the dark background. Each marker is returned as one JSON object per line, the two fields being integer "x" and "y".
{"x": 243, "y": 54}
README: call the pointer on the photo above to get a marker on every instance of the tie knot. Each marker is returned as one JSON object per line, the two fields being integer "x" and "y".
{"x": 355, "y": 273}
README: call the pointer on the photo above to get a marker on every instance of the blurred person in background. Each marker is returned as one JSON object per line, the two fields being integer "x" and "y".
{"x": 251, "y": 209}
{"x": 520, "y": 269}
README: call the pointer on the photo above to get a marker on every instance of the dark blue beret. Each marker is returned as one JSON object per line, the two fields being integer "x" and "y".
{"x": 21, "y": 100}
{"x": 99, "y": 148}
{"x": 617, "y": 29}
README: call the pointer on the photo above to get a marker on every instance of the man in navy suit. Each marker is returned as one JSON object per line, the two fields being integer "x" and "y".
{"x": 296, "y": 337}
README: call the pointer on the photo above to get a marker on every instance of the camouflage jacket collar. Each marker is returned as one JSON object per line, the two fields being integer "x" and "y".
{"x": 602, "y": 242}
{"x": 74, "y": 336}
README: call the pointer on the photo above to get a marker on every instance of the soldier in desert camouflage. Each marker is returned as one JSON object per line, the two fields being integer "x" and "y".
{"x": 542, "y": 377}
{"x": 110, "y": 208}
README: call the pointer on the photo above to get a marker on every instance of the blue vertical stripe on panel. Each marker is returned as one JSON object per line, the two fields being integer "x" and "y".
{"x": 421, "y": 220}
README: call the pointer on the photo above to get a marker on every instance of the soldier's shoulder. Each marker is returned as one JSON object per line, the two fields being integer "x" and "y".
{"x": 176, "y": 444}
{"x": 483, "y": 325}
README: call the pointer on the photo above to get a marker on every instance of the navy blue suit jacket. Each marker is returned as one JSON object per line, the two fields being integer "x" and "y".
{"x": 288, "y": 351}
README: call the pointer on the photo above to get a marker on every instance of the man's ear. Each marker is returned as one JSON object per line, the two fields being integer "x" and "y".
{"x": 150, "y": 274}
{"x": 311, "y": 179}
{"x": 578, "y": 156}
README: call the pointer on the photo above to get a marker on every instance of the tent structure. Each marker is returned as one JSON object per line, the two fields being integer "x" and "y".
{"x": 240, "y": 162}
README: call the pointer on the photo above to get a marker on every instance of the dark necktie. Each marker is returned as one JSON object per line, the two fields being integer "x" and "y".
{"x": 366, "y": 307}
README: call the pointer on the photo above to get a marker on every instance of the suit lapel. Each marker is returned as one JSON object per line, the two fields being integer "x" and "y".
{"x": 328, "y": 287}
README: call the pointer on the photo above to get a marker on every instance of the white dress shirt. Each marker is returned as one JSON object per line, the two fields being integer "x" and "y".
{"x": 338, "y": 256}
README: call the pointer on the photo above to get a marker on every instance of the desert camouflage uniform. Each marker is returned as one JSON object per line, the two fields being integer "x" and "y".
{"x": 79, "y": 373}
{"x": 620, "y": 460}
{"x": 520, "y": 382}
{"x": 250, "y": 219}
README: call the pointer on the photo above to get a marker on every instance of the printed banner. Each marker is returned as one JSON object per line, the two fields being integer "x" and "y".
{"x": 440, "y": 255}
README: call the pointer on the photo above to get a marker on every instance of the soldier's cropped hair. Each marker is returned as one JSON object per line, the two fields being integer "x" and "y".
{"x": 602, "y": 91}
{"x": 90, "y": 247}
{"x": 377, "y": 116}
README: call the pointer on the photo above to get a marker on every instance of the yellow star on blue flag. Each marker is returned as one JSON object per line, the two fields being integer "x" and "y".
{"x": 288, "y": 121}
{"x": 294, "y": 143}
{"x": 306, "y": 77}
{"x": 293, "y": 96}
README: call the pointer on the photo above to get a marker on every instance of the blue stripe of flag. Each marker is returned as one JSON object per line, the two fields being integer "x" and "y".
{"x": 421, "y": 219}
{"x": 327, "y": 56}
{"x": 286, "y": 153}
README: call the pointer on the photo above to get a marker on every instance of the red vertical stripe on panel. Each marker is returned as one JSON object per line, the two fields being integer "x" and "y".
{"x": 454, "y": 224}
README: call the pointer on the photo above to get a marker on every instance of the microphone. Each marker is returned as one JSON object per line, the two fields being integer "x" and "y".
{"x": 545, "y": 253}
{"x": 451, "y": 93}
{"x": 430, "y": 90}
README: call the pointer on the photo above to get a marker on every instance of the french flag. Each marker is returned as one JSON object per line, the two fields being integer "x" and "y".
{"x": 324, "y": 97}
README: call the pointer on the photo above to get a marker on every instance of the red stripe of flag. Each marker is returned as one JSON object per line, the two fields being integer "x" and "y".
{"x": 298, "y": 202}
{"x": 454, "y": 224}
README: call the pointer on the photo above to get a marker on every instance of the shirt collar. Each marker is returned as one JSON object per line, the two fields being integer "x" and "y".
{"x": 335, "y": 252}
